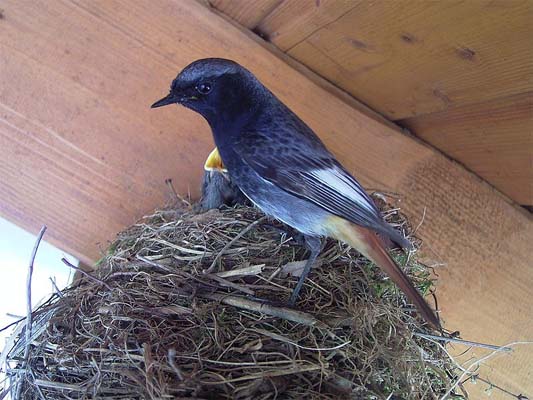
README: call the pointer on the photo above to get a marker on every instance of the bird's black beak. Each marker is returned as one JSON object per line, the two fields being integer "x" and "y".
{"x": 165, "y": 101}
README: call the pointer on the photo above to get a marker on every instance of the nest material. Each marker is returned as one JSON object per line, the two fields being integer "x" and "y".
{"x": 153, "y": 322}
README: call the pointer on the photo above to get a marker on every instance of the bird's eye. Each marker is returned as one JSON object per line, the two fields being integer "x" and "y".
{"x": 203, "y": 87}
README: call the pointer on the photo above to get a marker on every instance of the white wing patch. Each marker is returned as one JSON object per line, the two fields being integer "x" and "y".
{"x": 337, "y": 180}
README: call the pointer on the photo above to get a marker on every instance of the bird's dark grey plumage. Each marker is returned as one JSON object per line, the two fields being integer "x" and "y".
{"x": 218, "y": 190}
{"x": 283, "y": 167}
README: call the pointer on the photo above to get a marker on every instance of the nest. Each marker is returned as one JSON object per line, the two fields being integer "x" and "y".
{"x": 193, "y": 305}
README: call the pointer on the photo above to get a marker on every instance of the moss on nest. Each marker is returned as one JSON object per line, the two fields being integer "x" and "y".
{"x": 151, "y": 323}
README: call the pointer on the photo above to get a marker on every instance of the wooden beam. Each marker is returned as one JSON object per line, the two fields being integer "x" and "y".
{"x": 404, "y": 58}
{"x": 494, "y": 139}
{"x": 82, "y": 151}
{"x": 291, "y": 22}
{"x": 245, "y": 12}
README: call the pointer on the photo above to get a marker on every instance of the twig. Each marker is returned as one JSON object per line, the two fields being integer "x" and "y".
{"x": 6, "y": 391}
{"x": 280, "y": 312}
{"x": 265, "y": 374}
{"x": 155, "y": 264}
{"x": 16, "y": 316}
{"x": 283, "y": 339}
{"x": 230, "y": 243}
{"x": 9, "y": 343}
{"x": 251, "y": 270}
{"x": 179, "y": 198}
{"x": 58, "y": 385}
{"x": 41, "y": 394}
{"x": 236, "y": 286}
{"x": 492, "y": 385}
{"x": 54, "y": 285}
{"x": 171, "y": 186}
{"x": 461, "y": 341}
{"x": 70, "y": 265}
{"x": 29, "y": 319}
{"x": 171, "y": 356}
{"x": 421, "y": 222}
{"x": 467, "y": 370}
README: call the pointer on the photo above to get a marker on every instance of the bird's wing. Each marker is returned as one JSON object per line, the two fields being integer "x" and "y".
{"x": 305, "y": 168}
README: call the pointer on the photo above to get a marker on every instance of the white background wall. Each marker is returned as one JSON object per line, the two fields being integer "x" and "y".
{"x": 16, "y": 246}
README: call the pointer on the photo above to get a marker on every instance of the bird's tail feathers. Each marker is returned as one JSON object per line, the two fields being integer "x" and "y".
{"x": 372, "y": 246}
{"x": 397, "y": 239}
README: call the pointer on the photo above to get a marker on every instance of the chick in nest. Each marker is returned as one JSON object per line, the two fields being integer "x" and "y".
{"x": 217, "y": 188}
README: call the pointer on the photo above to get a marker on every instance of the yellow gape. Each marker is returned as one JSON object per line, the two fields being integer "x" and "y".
{"x": 214, "y": 162}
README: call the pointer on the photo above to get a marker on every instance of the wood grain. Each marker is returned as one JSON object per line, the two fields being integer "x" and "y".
{"x": 291, "y": 22}
{"x": 432, "y": 55}
{"x": 406, "y": 59}
{"x": 245, "y": 12}
{"x": 76, "y": 131}
{"x": 83, "y": 153}
{"x": 494, "y": 139}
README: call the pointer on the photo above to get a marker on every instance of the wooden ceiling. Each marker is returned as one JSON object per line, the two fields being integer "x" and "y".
{"x": 458, "y": 74}
{"x": 83, "y": 153}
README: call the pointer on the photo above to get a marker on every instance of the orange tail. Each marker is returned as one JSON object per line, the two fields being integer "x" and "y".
{"x": 372, "y": 247}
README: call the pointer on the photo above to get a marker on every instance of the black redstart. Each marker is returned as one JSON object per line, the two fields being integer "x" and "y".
{"x": 282, "y": 166}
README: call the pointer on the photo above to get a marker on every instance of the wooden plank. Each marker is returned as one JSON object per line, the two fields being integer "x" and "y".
{"x": 430, "y": 57}
{"x": 81, "y": 77}
{"x": 76, "y": 130}
{"x": 494, "y": 139}
{"x": 293, "y": 21}
{"x": 245, "y": 12}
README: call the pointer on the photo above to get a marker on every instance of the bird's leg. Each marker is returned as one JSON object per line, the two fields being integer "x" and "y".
{"x": 314, "y": 245}
{"x": 297, "y": 237}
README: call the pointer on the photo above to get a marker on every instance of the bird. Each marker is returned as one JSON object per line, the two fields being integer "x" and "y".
{"x": 284, "y": 169}
{"x": 217, "y": 187}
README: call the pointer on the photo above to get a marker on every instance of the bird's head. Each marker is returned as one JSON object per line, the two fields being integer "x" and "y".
{"x": 216, "y": 88}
